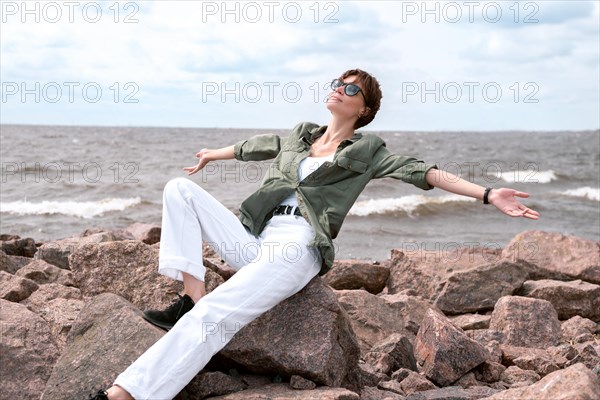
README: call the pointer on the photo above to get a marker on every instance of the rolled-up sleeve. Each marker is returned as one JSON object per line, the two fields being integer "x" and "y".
{"x": 407, "y": 169}
{"x": 258, "y": 148}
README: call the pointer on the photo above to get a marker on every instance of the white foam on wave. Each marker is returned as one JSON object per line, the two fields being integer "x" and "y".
{"x": 407, "y": 204}
{"x": 586, "y": 192}
{"x": 81, "y": 209}
{"x": 527, "y": 176}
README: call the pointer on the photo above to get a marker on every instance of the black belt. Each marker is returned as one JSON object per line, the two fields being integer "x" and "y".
{"x": 287, "y": 210}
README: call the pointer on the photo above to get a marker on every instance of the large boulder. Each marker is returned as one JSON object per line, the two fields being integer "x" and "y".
{"x": 27, "y": 352}
{"x": 17, "y": 246}
{"x": 411, "y": 308}
{"x": 14, "y": 288}
{"x": 308, "y": 334}
{"x": 109, "y": 334}
{"x": 127, "y": 268}
{"x": 356, "y": 274}
{"x": 12, "y": 264}
{"x": 526, "y": 322}
{"x": 568, "y": 298}
{"x": 444, "y": 352}
{"x": 57, "y": 252}
{"x": 574, "y": 383}
{"x": 373, "y": 319}
{"x": 557, "y": 254}
{"x": 42, "y": 272}
{"x": 425, "y": 271}
{"x": 478, "y": 289}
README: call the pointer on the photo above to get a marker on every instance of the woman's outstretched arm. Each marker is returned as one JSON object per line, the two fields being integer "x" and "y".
{"x": 204, "y": 156}
{"x": 504, "y": 199}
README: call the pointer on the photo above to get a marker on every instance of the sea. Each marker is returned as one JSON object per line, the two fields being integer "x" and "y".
{"x": 58, "y": 181}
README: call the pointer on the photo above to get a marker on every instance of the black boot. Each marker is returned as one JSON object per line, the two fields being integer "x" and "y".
{"x": 167, "y": 318}
{"x": 101, "y": 395}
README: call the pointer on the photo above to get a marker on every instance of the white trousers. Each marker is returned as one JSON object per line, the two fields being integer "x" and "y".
{"x": 270, "y": 268}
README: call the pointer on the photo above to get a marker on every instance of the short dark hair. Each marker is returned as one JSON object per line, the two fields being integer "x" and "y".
{"x": 372, "y": 93}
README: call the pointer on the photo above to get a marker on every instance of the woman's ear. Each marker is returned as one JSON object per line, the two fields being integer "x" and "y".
{"x": 364, "y": 112}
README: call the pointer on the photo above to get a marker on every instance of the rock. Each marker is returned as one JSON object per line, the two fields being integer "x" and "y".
{"x": 568, "y": 298}
{"x": 90, "y": 358}
{"x": 415, "y": 382}
{"x": 109, "y": 267}
{"x": 42, "y": 272}
{"x": 444, "y": 352}
{"x": 557, "y": 254}
{"x": 282, "y": 391}
{"x": 468, "y": 322}
{"x": 147, "y": 233}
{"x": 209, "y": 384}
{"x": 27, "y": 352}
{"x": 60, "y": 314}
{"x": 12, "y": 264}
{"x": 526, "y": 322}
{"x": 307, "y": 334}
{"x": 392, "y": 353}
{"x": 391, "y": 386}
{"x": 490, "y": 340}
{"x": 117, "y": 234}
{"x": 574, "y": 383}
{"x": 467, "y": 380}
{"x": 453, "y": 393}
{"x": 538, "y": 360}
{"x": 489, "y": 372}
{"x": 57, "y": 252}
{"x": 576, "y": 326}
{"x": 48, "y": 292}
{"x": 254, "y": 381}
{"x": 479, "y": 289}
{"x": 372, "y": 393}
{"x": 411, "y": 308}
{"x": 14, "y": 288}
{"x": 425, "y": 271}
{"x": 372, "y": 318}
{"x": 220, "y": 267}
{"x": 516, "y": 377}
{"x": 368, "y": 376}
{"x": 586, "y": 354}
{"x": 299, "y": 383}
{"x": 356, "y": 274}
{"x": 23, "y": 247}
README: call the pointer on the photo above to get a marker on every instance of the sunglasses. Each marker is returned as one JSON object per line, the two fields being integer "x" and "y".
{"x": 350, "y": 89}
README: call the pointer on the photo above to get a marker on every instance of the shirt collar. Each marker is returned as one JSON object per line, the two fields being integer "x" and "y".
{"x": 318, "y": 131}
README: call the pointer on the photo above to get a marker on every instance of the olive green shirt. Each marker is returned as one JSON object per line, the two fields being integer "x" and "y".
{"x": 326, "y": 195}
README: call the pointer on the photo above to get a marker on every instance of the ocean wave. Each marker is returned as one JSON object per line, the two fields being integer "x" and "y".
{"x": 527, "y": 176}
{"x": 585, "y": 192}
{"x": 407, "y": 204}
{"x": 81, "y": 209}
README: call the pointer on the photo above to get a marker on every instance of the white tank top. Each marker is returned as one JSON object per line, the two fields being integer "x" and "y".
{"x": 305, "y": 168}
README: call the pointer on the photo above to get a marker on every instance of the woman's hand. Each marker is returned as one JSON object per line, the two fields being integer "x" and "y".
{"x": 505, "y": 200}
{"x": 203, "y": 159}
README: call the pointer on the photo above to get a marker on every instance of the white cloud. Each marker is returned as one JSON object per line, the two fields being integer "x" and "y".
{"x": 177, "y": 47}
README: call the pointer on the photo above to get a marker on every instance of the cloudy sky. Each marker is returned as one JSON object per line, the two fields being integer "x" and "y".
{"x": 503, "y": 65}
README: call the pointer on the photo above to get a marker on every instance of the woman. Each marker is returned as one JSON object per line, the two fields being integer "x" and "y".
{"x": 283, "y": 236}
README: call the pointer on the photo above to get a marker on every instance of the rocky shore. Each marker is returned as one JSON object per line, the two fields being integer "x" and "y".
{"x": 474, "y": 323}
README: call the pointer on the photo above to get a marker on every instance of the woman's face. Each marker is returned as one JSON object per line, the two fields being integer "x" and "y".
{"x": 340, "y": 104}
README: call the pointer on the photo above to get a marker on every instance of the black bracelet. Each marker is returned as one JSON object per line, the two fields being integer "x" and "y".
{"x": 485, "y": 195}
